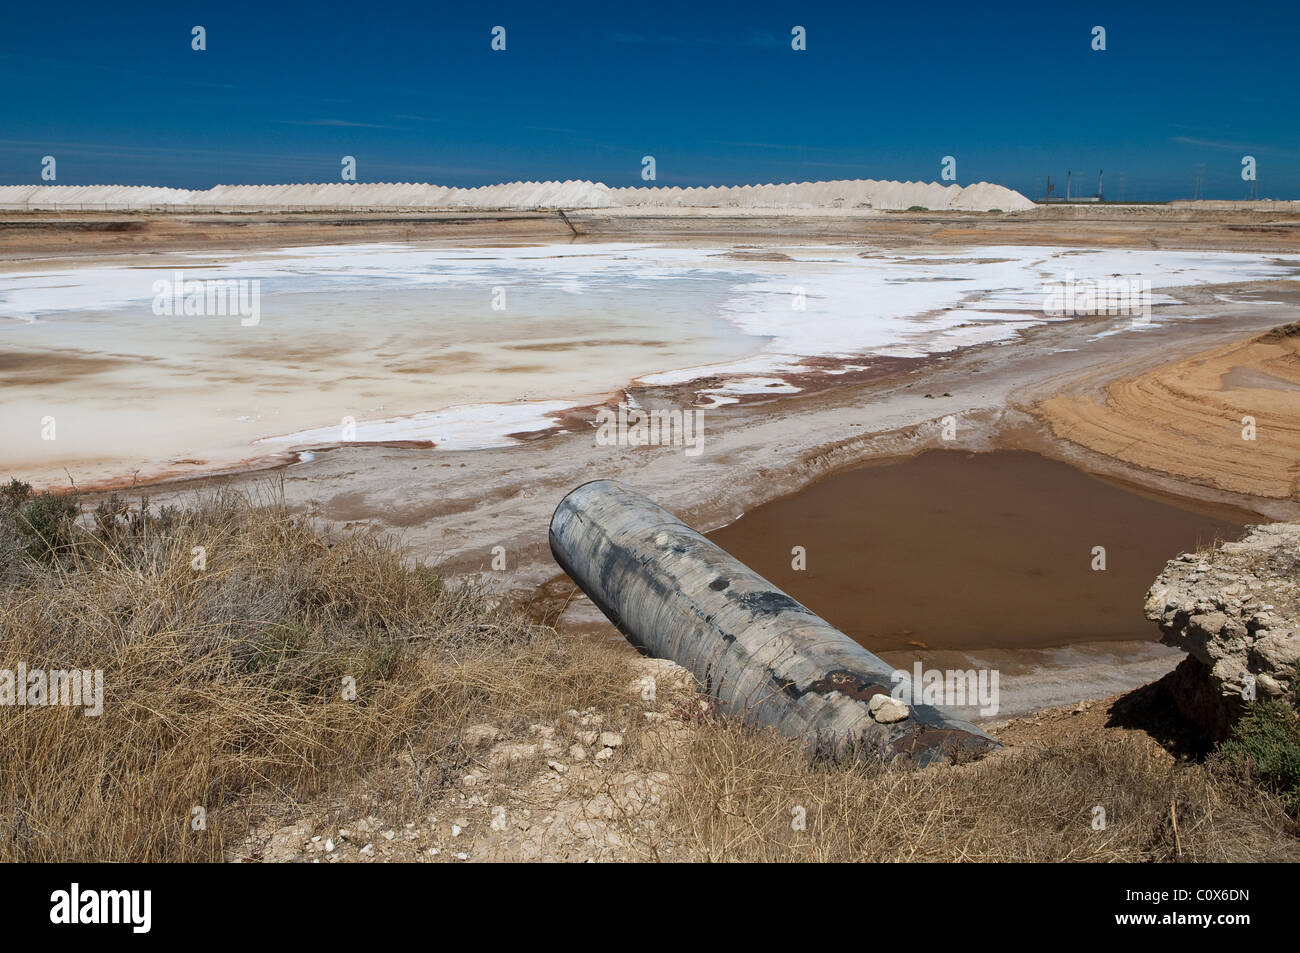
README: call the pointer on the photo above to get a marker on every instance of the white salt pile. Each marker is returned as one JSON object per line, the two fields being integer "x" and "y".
{"x": 89, "y": 196}
{"x": 845, "y": 194}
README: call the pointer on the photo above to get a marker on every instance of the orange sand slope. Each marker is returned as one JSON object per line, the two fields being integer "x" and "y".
{"x": 1187, "y": 418}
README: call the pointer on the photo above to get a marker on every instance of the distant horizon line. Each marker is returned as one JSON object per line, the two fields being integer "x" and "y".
{"x": 491, "y": 185}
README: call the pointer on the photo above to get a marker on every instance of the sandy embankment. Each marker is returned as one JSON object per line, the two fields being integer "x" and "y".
{"x": 1192, "y": 418}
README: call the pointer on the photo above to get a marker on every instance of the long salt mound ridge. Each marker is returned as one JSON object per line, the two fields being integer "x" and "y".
{"x": 841, "y": 194}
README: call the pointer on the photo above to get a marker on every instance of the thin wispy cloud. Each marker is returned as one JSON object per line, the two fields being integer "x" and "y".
{"x": 80, "y": 67}
{"x": 344, "y": 123}
{"x": 1208, "y": 143}
{"x": 785, "y": 146}
{"x": 753, "y": 39}
{"x": 1240, "y": 148}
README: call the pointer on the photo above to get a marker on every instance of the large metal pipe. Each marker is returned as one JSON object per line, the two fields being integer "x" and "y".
{"x": 762, "y": 655}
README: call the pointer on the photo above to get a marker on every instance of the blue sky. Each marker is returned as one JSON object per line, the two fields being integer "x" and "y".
{"x": 714, "y": 91}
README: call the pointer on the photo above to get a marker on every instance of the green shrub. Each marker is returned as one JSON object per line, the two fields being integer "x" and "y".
{"x": 45, "y": 526}
{"x": 46, "y": 523}
{"x": 38, "y": 524}
{"x": 1266, "y": 744}
{"x": 14, "y": 495}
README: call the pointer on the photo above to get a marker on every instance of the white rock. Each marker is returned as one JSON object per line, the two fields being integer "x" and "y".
{"x": 887, "y": 710}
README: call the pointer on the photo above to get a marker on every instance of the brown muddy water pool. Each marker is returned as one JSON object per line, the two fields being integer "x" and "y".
{"x": 951, "y": 551}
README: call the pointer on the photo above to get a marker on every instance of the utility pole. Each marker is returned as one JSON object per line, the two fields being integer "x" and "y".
{"x": 1068, "y": 173}
{"x": 1099, "y": 193}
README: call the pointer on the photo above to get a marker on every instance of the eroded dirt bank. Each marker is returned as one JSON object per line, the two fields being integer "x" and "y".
{"x": 1228, "y": 417}
{"x": 1234, "y": 611}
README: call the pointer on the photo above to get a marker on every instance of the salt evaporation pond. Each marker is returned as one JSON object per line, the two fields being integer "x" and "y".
{"x": 405, "y": 339}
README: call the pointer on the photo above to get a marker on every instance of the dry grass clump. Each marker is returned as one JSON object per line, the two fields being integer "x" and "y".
{"x": 741, "y": 793}
{"x": 224, "y": 677}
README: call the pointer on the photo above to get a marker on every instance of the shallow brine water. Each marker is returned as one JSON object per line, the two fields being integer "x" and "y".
{"x": 964, "y": 551}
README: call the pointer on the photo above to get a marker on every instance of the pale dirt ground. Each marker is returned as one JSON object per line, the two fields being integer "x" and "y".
{"x": 29, "y": 236}
{"x": 594, "y": 786}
